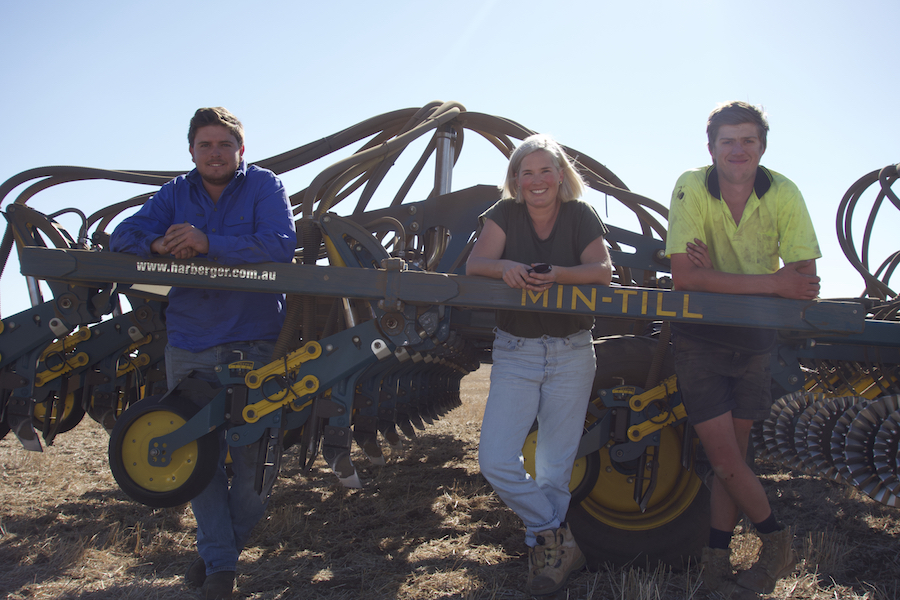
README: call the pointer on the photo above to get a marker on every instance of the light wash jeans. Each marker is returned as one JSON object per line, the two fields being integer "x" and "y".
{"x": 548, "y": 379}
{"x": 225, "y": 515}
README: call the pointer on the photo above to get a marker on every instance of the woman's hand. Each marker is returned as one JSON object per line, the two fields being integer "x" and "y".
{"x": 517, "y": 275}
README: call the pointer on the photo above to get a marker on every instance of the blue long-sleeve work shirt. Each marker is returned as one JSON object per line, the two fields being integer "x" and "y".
{"x": 251, "y": 223}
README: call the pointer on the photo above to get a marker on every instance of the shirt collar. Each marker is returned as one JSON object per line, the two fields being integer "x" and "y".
{"x": 761, "y": 184}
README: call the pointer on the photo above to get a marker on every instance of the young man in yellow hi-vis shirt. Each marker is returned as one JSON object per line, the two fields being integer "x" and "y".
{"x": 731, "y": 225}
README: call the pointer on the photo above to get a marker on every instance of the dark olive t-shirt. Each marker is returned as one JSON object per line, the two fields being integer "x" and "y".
{"x": 577, "y": 225}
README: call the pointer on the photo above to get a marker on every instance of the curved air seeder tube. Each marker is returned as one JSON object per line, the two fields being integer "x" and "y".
{"x": 389, "y": 134}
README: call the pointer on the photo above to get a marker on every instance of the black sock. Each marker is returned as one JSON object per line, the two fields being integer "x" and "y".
{"x": 719, "y": 539}
{"x": 770, "y": 525}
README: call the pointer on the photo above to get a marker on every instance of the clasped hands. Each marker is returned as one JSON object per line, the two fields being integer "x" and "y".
{"x": 518, "y": 275}
{"x": 181, "y": 240}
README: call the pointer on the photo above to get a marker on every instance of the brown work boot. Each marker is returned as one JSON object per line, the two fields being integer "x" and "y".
{"x": 218, "y": 586}
{"x": 718, "y": 575}
{"x": 536, "y": 559}
{"x": 562, "y": 556}
{"x": 776, "y": 560}
{"x": 196, "y": 573}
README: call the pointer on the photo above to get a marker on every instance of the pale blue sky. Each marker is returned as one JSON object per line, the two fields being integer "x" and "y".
{"x": 112, "y": 85}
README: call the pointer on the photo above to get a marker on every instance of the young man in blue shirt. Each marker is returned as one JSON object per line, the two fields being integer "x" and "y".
{"x": 231, "y": 213}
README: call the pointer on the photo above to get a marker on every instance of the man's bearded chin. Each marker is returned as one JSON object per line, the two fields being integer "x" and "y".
{"x": 217, "y": 180}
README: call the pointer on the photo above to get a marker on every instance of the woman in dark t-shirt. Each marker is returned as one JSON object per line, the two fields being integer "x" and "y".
{"x": 539, "y": 235}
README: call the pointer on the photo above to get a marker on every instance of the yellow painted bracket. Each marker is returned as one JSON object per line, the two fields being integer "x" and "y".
{"x": 141, "y": 342}
{"x": 308, "y": 385}
{"x": 638, "y": 403}
{"x": 292, "y": 361}
{"x": 44, "y": 377}
{"x": 141, "y": 360}
{"x": 69, "y": 342}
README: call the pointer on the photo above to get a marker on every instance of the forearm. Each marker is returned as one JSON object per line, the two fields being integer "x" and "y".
{"x": 487, "y": 267}
{"x": 133, "y": 239}
{"x": 710, "y": 280}
{"x": 595, "y": 273}
{"x": 794, "y": 280}
{"x": 264, "y": 247}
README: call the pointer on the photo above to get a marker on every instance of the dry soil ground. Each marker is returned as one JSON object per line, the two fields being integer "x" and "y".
{"x": 427, "y": 526}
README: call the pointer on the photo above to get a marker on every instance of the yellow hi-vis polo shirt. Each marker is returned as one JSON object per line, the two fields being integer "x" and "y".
{"x": 775, "y": 223}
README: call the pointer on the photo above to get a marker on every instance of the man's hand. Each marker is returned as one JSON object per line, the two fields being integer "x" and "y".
{"x": 698, "y": 252}
{"x": 794, "y": 283}
{"x": 182, "y": 240}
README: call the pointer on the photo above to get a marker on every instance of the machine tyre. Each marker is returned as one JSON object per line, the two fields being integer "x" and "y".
{"x": 607, "y": 524}
{"x": 191, "y": 467}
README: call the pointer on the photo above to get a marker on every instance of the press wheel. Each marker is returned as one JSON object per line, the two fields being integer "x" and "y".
{"x": 190, "y": 469}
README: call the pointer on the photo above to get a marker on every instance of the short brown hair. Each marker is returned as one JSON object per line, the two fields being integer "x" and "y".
{"x": 215, "y": 115}
{"x": 736, "y": 113}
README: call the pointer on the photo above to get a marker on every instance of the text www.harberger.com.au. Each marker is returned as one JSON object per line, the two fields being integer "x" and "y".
{"x": 204, "y": 271}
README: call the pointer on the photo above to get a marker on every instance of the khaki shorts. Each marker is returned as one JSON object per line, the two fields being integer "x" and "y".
{"x": 715, "y": 380}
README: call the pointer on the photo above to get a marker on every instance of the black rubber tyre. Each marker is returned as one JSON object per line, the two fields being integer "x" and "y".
{"x": 191, "y": 467}
{"x": 607, "y": 523}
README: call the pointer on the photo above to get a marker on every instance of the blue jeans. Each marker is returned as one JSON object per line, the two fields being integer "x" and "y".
{"x": 548, "y": 379}
{"x": 225, "y": 515}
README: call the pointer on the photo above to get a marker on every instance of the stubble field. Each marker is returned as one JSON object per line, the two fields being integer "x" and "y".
{"x": 426, "y": 526}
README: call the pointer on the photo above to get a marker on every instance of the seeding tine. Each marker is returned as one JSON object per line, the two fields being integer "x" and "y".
{"x": 21, "y": 425}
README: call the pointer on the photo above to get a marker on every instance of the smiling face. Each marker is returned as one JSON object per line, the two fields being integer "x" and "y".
{"x": 217, "y": 154}
{"x": 736, "y": 153}
{"x": 538, "y": 179}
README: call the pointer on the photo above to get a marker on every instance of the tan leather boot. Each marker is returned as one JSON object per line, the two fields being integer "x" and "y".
{"x": 718, "y": 575}
{"x": 562, "y": 556}
{"x": 536, "y": 559}
{"x": 776, "y": 560}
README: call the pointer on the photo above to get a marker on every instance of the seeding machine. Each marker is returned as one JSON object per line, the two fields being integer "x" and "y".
{"x": 382, "y": 326}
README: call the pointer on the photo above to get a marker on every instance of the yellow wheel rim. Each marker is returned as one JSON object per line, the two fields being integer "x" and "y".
{"x": 579, "y": 469}
{"x": 136, "y": 445}
{"x": 40, "y": 409}
{"x": 611, "y": 501}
